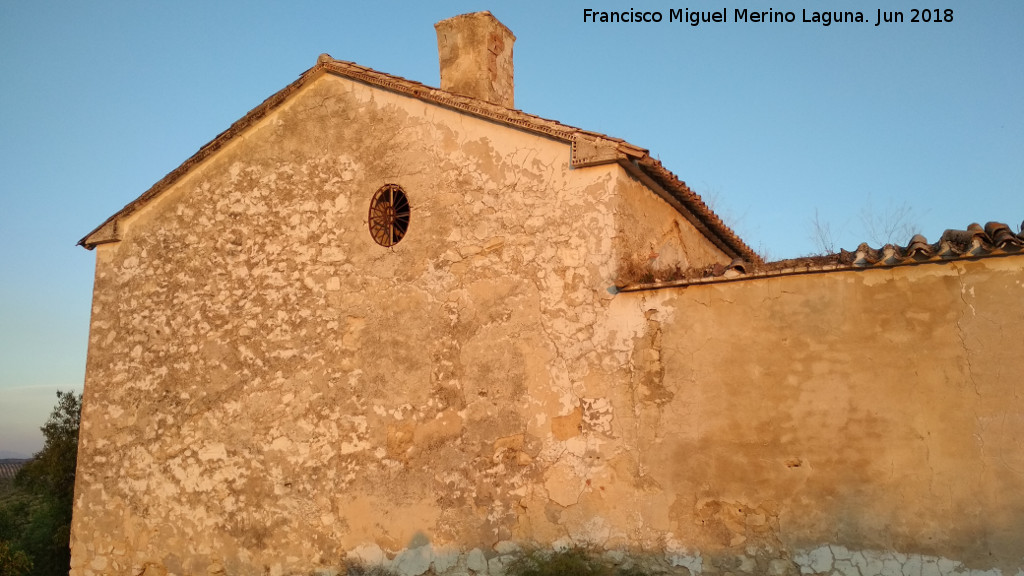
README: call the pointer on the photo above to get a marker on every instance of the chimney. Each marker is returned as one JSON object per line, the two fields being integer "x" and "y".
{"x": 475, "y": 52}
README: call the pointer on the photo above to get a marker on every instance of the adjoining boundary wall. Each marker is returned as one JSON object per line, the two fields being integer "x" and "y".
{"x": 874, "y": 410}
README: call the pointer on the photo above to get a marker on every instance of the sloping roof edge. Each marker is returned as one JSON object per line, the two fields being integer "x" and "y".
{"x": 256, "y": 114}
{"x": 709, "y": 223}
{"x": 588, "y": 149}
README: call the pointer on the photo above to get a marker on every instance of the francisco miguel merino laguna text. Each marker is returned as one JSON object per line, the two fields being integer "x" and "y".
{"x": 825, "y": 18}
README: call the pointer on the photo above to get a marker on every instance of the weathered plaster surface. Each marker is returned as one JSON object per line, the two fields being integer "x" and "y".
{"x": 875, "y": 410}
{"x": 665, "y": 244}
{"x": 268, "y": 390}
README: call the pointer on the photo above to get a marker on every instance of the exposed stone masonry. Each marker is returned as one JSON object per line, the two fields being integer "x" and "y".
{"x": 271, "y": 392}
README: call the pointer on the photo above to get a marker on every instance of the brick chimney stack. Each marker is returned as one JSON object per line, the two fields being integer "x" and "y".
{"x": 475, "y": 52}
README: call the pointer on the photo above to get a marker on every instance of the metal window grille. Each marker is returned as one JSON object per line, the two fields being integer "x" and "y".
{"x": 389, "y": 215}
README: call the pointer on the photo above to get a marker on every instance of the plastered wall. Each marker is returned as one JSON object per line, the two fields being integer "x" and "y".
{"x": 859, "y": 422}
{"x": 268, "y": 391}
{"x": 655, "y": 243}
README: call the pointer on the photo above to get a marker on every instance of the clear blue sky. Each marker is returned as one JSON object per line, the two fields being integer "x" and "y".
{"x": 772, "y": 121}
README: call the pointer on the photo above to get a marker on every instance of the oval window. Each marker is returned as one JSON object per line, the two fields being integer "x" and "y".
{"x": 389, "y": 215}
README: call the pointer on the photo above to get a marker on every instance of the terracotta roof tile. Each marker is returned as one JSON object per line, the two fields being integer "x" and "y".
{"x": 992, "y": 240}
{"x": 1002, "y": 236}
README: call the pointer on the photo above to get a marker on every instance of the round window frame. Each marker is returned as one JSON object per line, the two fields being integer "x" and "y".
{"x": 389, "y": 215}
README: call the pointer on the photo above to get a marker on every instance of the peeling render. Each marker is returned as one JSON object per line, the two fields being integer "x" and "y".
{"x": 259, "y": 368}
{"x": 270, "y": 392}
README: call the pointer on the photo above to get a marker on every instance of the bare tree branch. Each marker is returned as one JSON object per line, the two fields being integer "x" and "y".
{"x": 821, "y": 235}
{"x": 893, "y": 225}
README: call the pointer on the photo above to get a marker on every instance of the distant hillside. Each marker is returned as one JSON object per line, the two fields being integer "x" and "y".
{"x": 10, "y": 466}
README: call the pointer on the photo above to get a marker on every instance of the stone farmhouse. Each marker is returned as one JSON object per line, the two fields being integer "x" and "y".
{"x": 379, "y": 322}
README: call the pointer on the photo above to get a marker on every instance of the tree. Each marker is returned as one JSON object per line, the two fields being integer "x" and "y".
{"x": 52, "y": 470}
{"x": 13, "y": 562}
{"x": 35, "y": 525}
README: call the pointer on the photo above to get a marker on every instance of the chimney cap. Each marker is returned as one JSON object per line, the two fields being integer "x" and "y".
{"x": 480, "y": 14}
{"x": 475, "y": 55}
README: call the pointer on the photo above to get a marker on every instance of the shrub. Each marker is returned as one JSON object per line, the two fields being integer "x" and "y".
{"x": 353, "y": 568}
{"x": 13, "y": 562}
{"x": 570, "y": 562}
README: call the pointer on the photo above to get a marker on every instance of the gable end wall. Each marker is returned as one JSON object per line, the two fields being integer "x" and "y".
{"x": 258, "y": 368}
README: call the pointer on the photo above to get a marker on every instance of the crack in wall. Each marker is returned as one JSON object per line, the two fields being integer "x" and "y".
{"x": 961, "y": 331}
